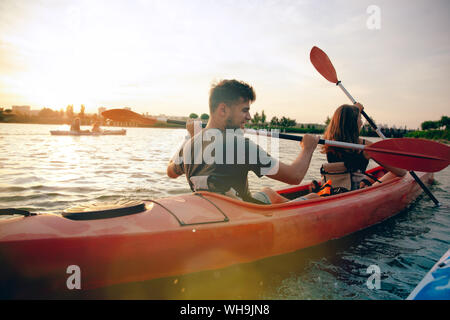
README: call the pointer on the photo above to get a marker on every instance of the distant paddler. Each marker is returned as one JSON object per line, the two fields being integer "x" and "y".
{"x": 75, "y": 125}
{"x": 96, "y": 127}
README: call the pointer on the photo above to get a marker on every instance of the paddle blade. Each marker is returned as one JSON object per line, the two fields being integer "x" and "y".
{"x": 125, "y": 115}
{"x": 322, "y": 63}
{"x": 411, "y": 154}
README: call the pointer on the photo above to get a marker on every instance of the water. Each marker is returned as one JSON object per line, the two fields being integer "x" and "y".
{"x": 44, "y": 173}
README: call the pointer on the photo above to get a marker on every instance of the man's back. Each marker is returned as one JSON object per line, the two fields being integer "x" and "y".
{"x": 223, "y": 158}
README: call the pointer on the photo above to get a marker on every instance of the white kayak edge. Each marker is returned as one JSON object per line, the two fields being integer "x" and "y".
{"x": 88, "y": 133}
{"x": 428, "y": 277}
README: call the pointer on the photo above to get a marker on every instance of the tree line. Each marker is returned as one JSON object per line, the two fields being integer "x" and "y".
{"x": 50, "y": 116}
{"x": 259, "y": 121}
{"x": 442, "y": 124}
{"x": 435, "y": 130}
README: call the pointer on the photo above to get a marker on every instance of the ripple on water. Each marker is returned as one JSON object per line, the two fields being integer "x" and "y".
{"x": 25, "y": 198}
{"x": 28, "y": 180}
{"x": 12, "y": 189}
{"x": 138, "y": 176}
{"x": 177, "y": 191}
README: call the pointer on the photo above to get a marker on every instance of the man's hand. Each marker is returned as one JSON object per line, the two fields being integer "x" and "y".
{"x": 359, "y": 106}
{"x": 193, "y": 126}
{"x": 309, "y": 142}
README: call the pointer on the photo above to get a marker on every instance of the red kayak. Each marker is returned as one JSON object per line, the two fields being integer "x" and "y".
{"x": 184, "y": 234}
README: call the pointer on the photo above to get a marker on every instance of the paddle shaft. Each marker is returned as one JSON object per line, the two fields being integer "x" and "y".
{"x": 372, "y": 124}
{"x": 371, "y": 149}
{"x": 382, "y": 136}
{"x": 289, "y": 137}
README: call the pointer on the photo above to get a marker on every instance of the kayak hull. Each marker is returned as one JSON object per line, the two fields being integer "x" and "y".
{"x": 88, "y": 133}
{"x": 436, "y": 283}
{"x": 187, "y": 233}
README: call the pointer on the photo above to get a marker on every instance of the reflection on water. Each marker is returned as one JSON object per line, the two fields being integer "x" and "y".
{"x": 45, "y": 173}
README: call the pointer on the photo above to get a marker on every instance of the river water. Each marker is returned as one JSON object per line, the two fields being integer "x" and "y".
{"x": 44, "y": 173}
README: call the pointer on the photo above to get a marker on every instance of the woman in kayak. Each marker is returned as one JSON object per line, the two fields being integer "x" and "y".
{"x": 349, "y": 165}
{"x": 96, "y": 127}
{"x": 345, "y": 126}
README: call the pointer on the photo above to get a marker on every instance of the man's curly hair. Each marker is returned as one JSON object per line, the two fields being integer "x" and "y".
{"x": 229, "y": 92}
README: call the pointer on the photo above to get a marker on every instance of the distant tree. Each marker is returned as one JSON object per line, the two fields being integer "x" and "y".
{"x": 69, "y": 111}
{"x": 193, "y": 116}
{"x": 204, "y": 116}
{"x": 94, "y": 118}
{"x": 445, "y": 121}
{"x": 284, "y": 122}
{"x": 256, "y": 118}
{"x": 291, "y": 122}
{"x": 426, "y": 125}
{"x": 82, "y": 109}
{"x": 263, "y": 117}
{"x": 274, "y": 122}
{"x": 47, "y": 113}
{"x": 327, "y": 121}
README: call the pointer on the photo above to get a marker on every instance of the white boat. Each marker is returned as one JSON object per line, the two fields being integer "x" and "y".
{"x": 88, "y": 133}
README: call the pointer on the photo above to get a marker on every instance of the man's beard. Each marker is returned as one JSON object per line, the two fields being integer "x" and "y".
{"x": 229, "y": 123}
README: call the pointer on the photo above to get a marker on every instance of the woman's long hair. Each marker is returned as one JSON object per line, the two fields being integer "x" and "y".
{"x": 342, "y": 127}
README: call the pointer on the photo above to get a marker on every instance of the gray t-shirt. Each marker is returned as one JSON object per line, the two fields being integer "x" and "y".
{"x": 223, "y": 159}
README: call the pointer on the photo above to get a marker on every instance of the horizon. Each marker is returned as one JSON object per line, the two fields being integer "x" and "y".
{"x": 88, "y": 114}
{"x": 165, "y": 55}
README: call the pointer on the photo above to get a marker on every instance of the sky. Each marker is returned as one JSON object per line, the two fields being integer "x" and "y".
{"x": 162, "y": 57}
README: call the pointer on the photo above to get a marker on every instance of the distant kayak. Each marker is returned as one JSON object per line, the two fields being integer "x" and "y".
{"x": 436, "y": 283}
{"x": 88, "y": 133}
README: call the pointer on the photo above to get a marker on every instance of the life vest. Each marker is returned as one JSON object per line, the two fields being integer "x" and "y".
{"x": 326, "y": 189}
{"x": 341, "y": 176}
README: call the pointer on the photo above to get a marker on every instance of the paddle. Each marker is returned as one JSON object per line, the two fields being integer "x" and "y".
{"x": 323, "y": 65}
{"x": 406, "y": 153}
{"x": 125, "y": 115}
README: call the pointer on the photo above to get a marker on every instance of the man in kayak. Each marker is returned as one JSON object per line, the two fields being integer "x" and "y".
{"x": 75, "y": 125}
{"x": 219, "y": 157}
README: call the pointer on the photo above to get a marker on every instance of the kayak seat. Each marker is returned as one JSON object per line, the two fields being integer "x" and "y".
{"x": 104, "y": 210}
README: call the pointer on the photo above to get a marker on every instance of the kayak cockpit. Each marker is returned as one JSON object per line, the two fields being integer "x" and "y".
{"x": 104, "y": 210}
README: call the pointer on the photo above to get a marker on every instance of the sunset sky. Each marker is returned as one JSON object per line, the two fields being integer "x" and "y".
{"x": 162, "y": 56}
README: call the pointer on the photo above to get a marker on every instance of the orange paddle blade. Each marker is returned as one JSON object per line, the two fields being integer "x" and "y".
{"x": 125, "y": 115}
{"x": 322, "y": 63}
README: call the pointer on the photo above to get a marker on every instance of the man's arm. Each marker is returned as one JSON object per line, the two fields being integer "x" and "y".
{"x": 192, "y": 126}
{"x": 296, "y": 171}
